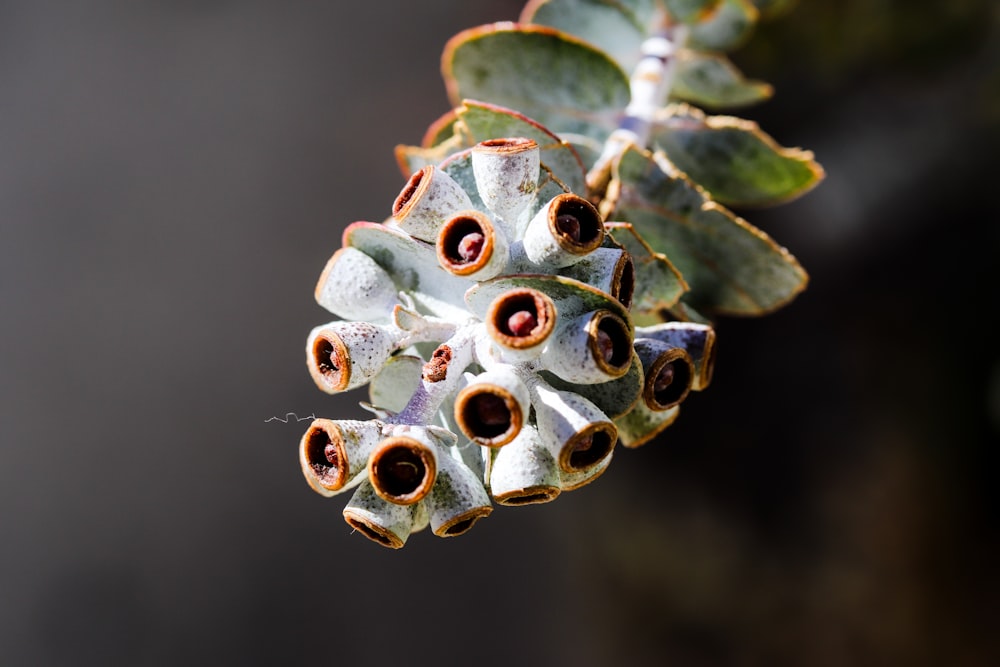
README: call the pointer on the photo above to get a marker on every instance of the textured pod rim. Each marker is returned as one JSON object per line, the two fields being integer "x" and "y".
{"x": 621, "y": 341}
{"x": 505, "y": 146}
{"x": 508, "y": 303}
{"x": 416, "y": 187}
{"x": 574, "y": 458}
{"x": 463, "y": 523}
{"x": 529, "y": 495}
{"x": 704, "y": 377}
{"x": 329, "y": 363}
{"x": 372, "y": 530}
{"x": 678, "y": 358}
{"x": 322, "y": 474}
{"x": 465, "y": 405}
{"x": 401, "y": 449}
{"x": 591, "y": 225}
{"x": 452, "y": 232}
{"x": 623, "y": 281}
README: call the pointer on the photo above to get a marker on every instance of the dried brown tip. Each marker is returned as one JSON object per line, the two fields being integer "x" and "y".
{"x": 488, "y": 414}
{"x": 707, "y": 368}
{"x": 505, "y": 146}
{"x": 329, "y": 363}
{"x": 610, "y": 343}
{"x": 372, "y": 531}
{"x": 588, "y": 447}
{"x": 436, "y": 369}
{"x": 668, "y": 380}
{"x": 414, "y": 190}
{"x": 323, "y": 457}
{"x": 462, "y": 523}
{"x": 521, "y": 318}
{"x": 623, "y": 282}
{"x": 402, "y": 470}
{"x": 575, "y": 224}
{"x": 465, "y": 243}
{"x": 531, "y": 495}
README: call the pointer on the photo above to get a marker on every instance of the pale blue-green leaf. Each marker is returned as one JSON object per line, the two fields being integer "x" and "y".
{"x": 658, "y": 284}
{"x": 730, "y": 266}
{"x": 711, "y": 80}
{"x": 728, "y": 28}
{"x": 641, "y": 425}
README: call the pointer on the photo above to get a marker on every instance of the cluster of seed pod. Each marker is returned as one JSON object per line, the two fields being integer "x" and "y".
{"x": 489, "y": 317}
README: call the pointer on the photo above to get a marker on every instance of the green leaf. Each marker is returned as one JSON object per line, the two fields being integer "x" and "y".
{"x": 731, "y": 266}
{"x": 614, "y": 398}
{"x": 691, "y": 11}
{"x": 414, "y": 158}
{"x": 440, "y": 130}
{"x": 488, "y": 121}
{"x": 392, "y": 388}
{"x": 641, "y": 425}
{"x": 617, "y": 27}
{"x": 728, "y": 28}
{"x": 658, "y": 284}
{"x": 711, "y": 80}
{"x": 733, "y": 159}
{"x": 559, "y": 81}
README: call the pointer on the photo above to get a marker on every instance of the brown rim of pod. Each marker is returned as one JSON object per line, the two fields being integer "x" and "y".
{"x": 323, "y": 456}
{"x": 588, "y": 447}
{"x": 623, "y": 281}
{"x": 610, "y": 342}
{"x": 575, "y": 224}
{"x": 462, "y": 523}
{"x": 330, "y": 362}
{"x": 707, "y": 368}
{"x": 521, "y": 318}
{"x": 668, "y": 380}
{"x": 372, "y": 530}
{"x": 531, "y": 495}
{"x": 414, "y": 190}
{"x": 402, "y": 470}
{"x": 466, "y": 243}
{"x": 488, "y": 414}
{"x": 505, "y": 146}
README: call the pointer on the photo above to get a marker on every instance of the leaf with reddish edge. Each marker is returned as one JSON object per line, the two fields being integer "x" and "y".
{"x": 728, "y": 28}
{"x": 558, "y": 80}
{"x": 440, "y": 130}
{"x": 733, "y": 159}
{"x": 711, "y": 80}
{"x": 732, "y": 267}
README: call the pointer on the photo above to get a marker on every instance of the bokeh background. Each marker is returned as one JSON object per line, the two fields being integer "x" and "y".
{"x": 173, "y": 176}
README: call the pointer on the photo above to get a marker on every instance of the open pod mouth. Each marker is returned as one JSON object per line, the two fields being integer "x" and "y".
{"x": 429, "y": 197}
{"x": 329, "y": 362}
{"x": 570, "y": 481}
{"x": 588, "y": 447}
{"x": 562, "y": 233}
{"x": 623, "y": 280}
{"x": 610, "y": 343}
{"x": 402, "y": 470}
{"x": 458, "y": 499}
{"x": 668, "y": 380}
{"x": 468, "y": 245}
{"x": 463, "y": 523}
{"x": 380, "y": 521}
{"x": 490, "y": 415}
{"x": 344, "y": 355}
{"x": 333, "y": 454}
{"x": 506, "y": 172}
{"x": 698, "y": 340}
{"x": 592, "y": 348}
{"x": 521, "y": 319}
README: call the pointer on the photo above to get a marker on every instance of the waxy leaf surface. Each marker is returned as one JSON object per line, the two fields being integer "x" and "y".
{"x": 728, "y": 28}
{"x": 658, "y": 284}
{"x": 731, "y": 266}
{"x": 711, "y": 80}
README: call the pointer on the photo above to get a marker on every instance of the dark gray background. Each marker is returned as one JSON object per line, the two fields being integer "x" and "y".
{"x": 173, "y": 175}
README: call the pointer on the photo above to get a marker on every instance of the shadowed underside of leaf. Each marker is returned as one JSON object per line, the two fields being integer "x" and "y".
{"x": 731, "y": 266}
{"x": 733, "y": 159}
{"x": 711, "y": 80}
{"x": 559, "y": 81}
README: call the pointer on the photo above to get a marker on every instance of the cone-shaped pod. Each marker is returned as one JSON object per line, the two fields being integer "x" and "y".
{"x": 458, "y": 499}
{"x": 520, "y": 321}
{"x": 469, "y": 245}
{"x": 377, "y": 519}
{"x": 668, "y": 370}
{"x": 506, "y": 173}
{"x": 353, "y": 286}
{"x": 697, "y": 339}
{"x": 577, "y": 433}
{"x": 591, "y": 348}
{"x": 610, "y": 270}
{"x": 345, "y": 355}
{"x": 525, "y": 472}
{"x": 334, "y": 453}
{"x": 403, "y": 468}
{"x": 570, "y": 481}
{"x": 563, "y": 232}
{"x": 429, "y": 198}
{"x": 493, "y": 407}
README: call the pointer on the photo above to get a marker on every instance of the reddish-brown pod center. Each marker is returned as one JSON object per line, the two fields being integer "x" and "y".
{"x": 522, "y": 323}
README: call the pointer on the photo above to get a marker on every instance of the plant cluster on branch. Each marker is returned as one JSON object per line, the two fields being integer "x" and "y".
{"x": 544, "y": 286}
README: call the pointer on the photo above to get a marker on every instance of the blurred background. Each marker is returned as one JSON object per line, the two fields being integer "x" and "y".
{"x": 173, "y": 176}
